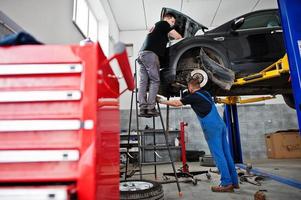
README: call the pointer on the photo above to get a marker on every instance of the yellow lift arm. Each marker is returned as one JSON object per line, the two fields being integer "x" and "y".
{"x": 274, "y": 70}
{"x": 237, "y": 99}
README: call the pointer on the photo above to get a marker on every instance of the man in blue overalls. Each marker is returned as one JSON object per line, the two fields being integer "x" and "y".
{"x": 215, "y": 133}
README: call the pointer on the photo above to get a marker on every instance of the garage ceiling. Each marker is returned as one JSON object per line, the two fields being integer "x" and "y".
{"x": 142, "y": 14}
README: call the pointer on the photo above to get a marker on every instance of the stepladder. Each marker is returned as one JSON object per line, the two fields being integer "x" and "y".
{"x": 152, "y": 140}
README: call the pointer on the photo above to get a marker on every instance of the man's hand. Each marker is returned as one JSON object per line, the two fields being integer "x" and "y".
{"x": 160, "y": 99}
{"x": 163, "y": 100}
{"x": 174, "y": 34}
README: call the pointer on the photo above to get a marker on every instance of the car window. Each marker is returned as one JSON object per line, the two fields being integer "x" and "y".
{"x": 260, "y": 20}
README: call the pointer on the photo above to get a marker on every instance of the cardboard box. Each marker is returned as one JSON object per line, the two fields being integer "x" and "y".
{"x": 283, "y": 144}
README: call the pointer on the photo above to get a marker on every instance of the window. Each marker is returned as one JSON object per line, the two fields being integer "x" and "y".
{"x": 85, "y": 20}
{"x": 261, "y": 20}
{"x": 92, "y": 27}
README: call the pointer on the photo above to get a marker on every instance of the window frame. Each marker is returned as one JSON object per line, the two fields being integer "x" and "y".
{"x": 271, "y": 13}
{"x": 85, "y": 33}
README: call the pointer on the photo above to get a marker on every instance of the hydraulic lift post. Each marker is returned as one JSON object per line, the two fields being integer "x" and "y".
{"x": 291, "y": 20}
{"x": 231, "y": 120}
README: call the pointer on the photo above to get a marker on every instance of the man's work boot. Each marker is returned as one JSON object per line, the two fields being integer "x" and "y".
{"x": 228, "y": 188}
{"x": 236, "y": 186}
{"x": 142, "y": 112}
{"x": 152, "y": 112}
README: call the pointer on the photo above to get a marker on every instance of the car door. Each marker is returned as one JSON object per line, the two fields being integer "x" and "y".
{"x": 256, "y": 44}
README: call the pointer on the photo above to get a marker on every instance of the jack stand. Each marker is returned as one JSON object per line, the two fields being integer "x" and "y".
{"x": 184, "y": 172}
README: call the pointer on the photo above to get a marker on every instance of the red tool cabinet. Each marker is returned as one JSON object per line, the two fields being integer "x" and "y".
{"x": 59, "y": 121}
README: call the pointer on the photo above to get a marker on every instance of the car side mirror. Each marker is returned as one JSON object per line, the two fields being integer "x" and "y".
{"x": 237, "y": 23}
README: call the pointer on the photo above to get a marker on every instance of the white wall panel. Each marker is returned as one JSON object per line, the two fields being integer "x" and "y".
{"x": 128, "y": 14}
{"x": 266, "y": 4}
{"x": 136, "y": 38}
{"x": 201, "y": 11}
{"x": 230, "y": 9}
{"x": 153, "y": 9}
{"x": 49, "y": 21}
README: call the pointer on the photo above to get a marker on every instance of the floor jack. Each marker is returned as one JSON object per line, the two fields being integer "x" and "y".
{"x": 184, "y": 172}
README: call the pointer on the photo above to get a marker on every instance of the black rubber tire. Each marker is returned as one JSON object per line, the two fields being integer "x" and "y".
{"x": 210, "y": 86}
{"x": 179, "y": 49}
{"x": 154, "y": 193}
{"x": 289, "y": 100}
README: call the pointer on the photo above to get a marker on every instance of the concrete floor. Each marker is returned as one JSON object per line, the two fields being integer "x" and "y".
{"x": 274, "y": 190}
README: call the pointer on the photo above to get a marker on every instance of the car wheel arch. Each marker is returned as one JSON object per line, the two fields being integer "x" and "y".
{"x": 213, "y": 45}
{"x": 184, "y": 47}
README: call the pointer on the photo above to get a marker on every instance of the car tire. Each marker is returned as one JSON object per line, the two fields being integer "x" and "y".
{"x": 217, "y": 53}
{"x": 141, "y": 189}
{"x": 289, "y": 100}
{"x": 208, "y": 45}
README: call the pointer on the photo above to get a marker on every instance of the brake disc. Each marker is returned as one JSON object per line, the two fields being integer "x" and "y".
{"x": 201, "y": 75}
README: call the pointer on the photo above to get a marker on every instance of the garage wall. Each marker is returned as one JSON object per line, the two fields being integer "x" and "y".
{"x": 254, "y": 122}
{"x": 135, "y": 38}
{"x": 257, "y": 120}
{"x": 108, "y": 29}
{"x": 49, "y": 21}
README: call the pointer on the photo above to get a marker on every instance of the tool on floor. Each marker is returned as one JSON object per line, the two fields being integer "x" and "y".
{"x": 184, "y": 170}
{"x": 248, "y": 177}
{"x": 248, "y": 168}
{"x": 142, "y": 147}
{"x": 214, "y": 171}
{"x": 253, "y": 179}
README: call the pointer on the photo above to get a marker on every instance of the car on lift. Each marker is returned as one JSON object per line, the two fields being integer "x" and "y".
{"x": 241, "y": 47}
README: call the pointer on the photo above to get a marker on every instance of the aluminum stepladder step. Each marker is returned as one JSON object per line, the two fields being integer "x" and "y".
{"x": 141, "y": 140}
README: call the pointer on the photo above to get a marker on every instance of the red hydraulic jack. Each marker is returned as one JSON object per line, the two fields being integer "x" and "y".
{"x": 184, "y": 172}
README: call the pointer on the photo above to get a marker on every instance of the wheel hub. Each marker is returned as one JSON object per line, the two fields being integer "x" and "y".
{"x": 134, "y": 185}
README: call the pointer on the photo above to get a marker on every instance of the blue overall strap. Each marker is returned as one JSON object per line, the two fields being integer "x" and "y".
{"x": 207, "y": 93}
{"x": 206, "y": 98}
